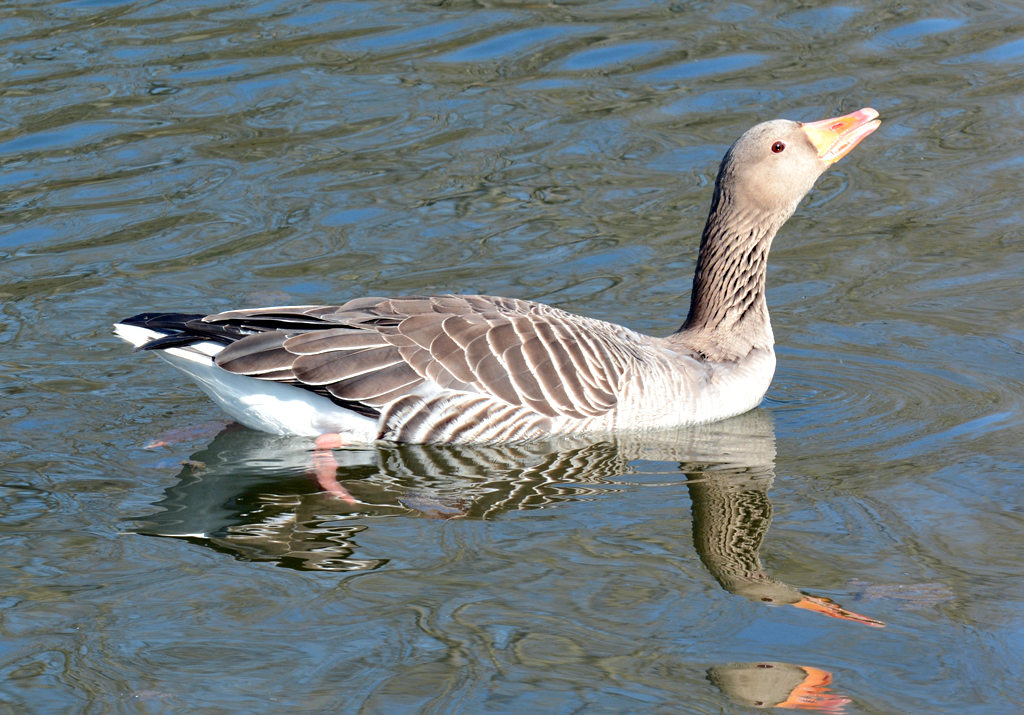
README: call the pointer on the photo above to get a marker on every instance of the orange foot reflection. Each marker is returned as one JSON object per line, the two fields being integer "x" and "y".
{"x": 189, "y": 433}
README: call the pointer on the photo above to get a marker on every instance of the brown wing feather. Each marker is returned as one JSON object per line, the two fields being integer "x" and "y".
{"x": 375, "y": 350}
{"x": 451, "y": 355}
{"x": 335, "y": 366}
{"x": 371, "y": 386}
{"x": 256, "y": 355}
{"x": 325, "y": 341}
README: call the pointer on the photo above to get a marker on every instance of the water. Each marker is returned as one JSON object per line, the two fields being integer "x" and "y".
{"x": 200, "y": 157}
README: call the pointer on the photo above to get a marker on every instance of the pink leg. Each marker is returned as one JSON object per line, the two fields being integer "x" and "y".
{"x": 325, "y": 466}
{"x": 331, "y": 440}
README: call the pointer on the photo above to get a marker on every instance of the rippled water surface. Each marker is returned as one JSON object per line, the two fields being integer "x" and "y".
{"x": 200, "y": 156}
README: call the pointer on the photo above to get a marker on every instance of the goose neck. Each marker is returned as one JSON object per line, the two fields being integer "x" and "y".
{"x": 728, "y": 313}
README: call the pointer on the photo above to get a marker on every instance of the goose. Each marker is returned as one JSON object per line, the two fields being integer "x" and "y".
{"x": 484, "y": 369}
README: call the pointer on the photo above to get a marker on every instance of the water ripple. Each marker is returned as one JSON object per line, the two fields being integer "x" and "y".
{"x": 175, "y": 155}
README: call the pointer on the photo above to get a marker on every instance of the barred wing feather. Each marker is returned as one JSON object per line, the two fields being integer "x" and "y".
{"x": 372, "y": 351}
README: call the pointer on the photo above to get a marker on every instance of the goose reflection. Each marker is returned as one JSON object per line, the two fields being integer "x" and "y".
{"x": 250, "y": 495}
{"x": 778, "y": 685}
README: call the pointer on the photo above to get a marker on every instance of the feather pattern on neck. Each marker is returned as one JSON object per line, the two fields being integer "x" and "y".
{"x": 728, "y": 313}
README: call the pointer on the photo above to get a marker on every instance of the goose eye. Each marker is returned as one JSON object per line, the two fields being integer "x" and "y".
{"x": 778, "y": 147}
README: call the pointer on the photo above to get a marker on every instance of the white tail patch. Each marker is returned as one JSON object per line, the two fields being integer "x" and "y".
{"x": 135, "y": 335}
{"x": 200, "y": 352}
{"x": 259, "y": 404}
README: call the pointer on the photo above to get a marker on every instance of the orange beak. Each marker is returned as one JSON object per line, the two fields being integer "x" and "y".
{"x": 835, "y": 138}
{"x": 827, "y": 607}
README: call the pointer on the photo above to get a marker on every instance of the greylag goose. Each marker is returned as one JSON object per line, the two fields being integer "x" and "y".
{"x": 477, "y": 369}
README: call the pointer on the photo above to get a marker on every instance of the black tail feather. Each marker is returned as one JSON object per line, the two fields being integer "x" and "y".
{"x": 188, "y": 328}
{"x": 184, "y": 329}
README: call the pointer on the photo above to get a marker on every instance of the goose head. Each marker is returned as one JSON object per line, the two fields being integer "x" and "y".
{"x": 773, "y": 165}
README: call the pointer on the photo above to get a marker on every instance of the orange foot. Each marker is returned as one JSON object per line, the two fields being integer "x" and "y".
{"x": 325, "y": 466}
